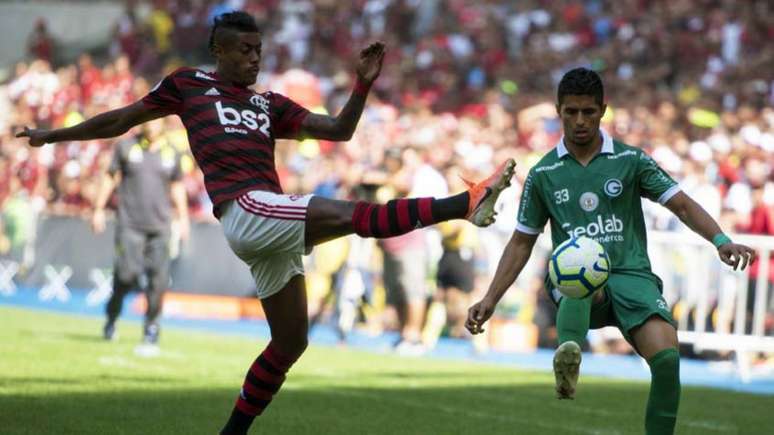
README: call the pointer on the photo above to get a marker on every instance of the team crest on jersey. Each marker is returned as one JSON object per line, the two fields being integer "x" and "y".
{"x": 613, "y": 187}
{"x": 260, "y": 102}
{"x": 589, "y": 201}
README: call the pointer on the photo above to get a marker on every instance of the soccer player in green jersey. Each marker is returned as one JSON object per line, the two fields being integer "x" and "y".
{"x": 591, "y": 185}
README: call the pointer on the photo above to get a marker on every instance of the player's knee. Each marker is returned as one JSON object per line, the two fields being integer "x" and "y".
{"x": 292, "y": 345}
{"x": 665, "y": 362}
{"x": 672, "y": 359}
{"x": 297, "y": 347}
{"x": 302, "y": 345}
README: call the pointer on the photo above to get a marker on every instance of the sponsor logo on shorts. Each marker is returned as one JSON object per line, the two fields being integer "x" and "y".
{"x": 661, "y": 304}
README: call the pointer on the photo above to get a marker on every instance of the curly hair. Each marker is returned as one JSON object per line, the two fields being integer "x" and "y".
{"x": 238, "y": 21}
{"x": 581, "y": 81}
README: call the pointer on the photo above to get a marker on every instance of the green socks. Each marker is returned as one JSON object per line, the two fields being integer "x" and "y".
{"x": 572, "y": 324}
{"x": 572, "y": 320}
{"x": 664, "y": 398}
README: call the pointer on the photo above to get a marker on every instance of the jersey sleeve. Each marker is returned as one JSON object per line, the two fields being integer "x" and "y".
{"x": 655, "y": 183}
{"x": 533, "y": 213}
{"x": 166, "y": 94}
{"x": 287, "y": 116}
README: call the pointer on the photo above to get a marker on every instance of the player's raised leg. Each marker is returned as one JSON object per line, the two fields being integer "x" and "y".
{"x": 328, "y": 219}
{"x": 286, "y": 312}
{"x": 656, "y": 341}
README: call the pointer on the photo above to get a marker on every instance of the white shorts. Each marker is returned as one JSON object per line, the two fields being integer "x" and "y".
{"x": 266, "y": 230}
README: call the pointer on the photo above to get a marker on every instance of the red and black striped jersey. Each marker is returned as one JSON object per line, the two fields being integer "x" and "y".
{"x": 231, "y": 130}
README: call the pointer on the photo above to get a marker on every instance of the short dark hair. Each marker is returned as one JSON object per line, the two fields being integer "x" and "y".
{"x": 239, "y": 21}
{"x": 581, "y": 81}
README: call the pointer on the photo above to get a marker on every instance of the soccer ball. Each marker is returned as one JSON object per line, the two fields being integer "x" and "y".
{"x": 578, "y": 267}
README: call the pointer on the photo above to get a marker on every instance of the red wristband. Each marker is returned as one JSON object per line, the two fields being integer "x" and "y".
{"x": 361, "y": 87}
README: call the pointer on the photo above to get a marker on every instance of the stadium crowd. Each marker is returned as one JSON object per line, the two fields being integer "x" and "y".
{"x": 465, "y": 84}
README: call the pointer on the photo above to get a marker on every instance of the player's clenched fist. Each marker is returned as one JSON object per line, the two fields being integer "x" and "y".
{"x": 478, "y": 314}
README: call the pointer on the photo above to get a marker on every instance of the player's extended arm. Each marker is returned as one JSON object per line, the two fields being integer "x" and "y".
{"x": 514, "y": 257}
{"x": 180, "y": 199}
{"x": 108, "y": 124}
{"x": 698, "y": 220}
{"x": 341, "y": 127}
{"x": 105, "y": 189}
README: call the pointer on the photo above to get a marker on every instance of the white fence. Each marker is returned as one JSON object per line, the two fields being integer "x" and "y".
{"x": 711, "y": 299}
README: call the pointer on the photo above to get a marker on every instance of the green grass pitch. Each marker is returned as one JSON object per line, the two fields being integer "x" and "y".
{"x": 58, "y": 377}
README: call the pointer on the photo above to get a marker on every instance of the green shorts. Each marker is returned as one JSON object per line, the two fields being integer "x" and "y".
{"x": 629, "y": 301}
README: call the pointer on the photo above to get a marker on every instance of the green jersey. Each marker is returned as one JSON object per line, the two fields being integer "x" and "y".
{"x": 600, "y": 201}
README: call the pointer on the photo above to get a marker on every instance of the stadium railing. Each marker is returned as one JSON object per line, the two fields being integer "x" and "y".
{"x": 717, "y": 309}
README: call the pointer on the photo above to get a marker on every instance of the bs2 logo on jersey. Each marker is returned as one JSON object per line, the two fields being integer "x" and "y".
{"x": 229, "y": 117}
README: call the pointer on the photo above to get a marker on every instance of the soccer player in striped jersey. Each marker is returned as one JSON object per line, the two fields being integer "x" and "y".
{"x": 232, "y": 132}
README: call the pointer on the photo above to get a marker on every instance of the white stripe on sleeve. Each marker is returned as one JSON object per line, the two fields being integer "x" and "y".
{"x": 666, "y": 196}
{"x": 520, "y": 227}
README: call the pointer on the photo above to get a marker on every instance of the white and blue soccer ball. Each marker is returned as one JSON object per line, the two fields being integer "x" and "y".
{"x": 578, "y": 267}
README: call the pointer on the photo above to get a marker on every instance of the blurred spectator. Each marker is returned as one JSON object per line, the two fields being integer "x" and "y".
{"x": 465, "y": 84}
{"x": 18, "y": 219}
{"x": 404, "y": 273}
{"x": 405, "y": 265}
{"x": 455, "y": 276}
{"x": 40, "y": 44}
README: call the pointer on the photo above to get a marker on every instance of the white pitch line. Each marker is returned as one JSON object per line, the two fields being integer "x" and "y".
{"x": 507, "y": 398}
{"x": 569, "y": 406}
{"x": 709, "y": 425}
{"x": 117, "y": 361}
